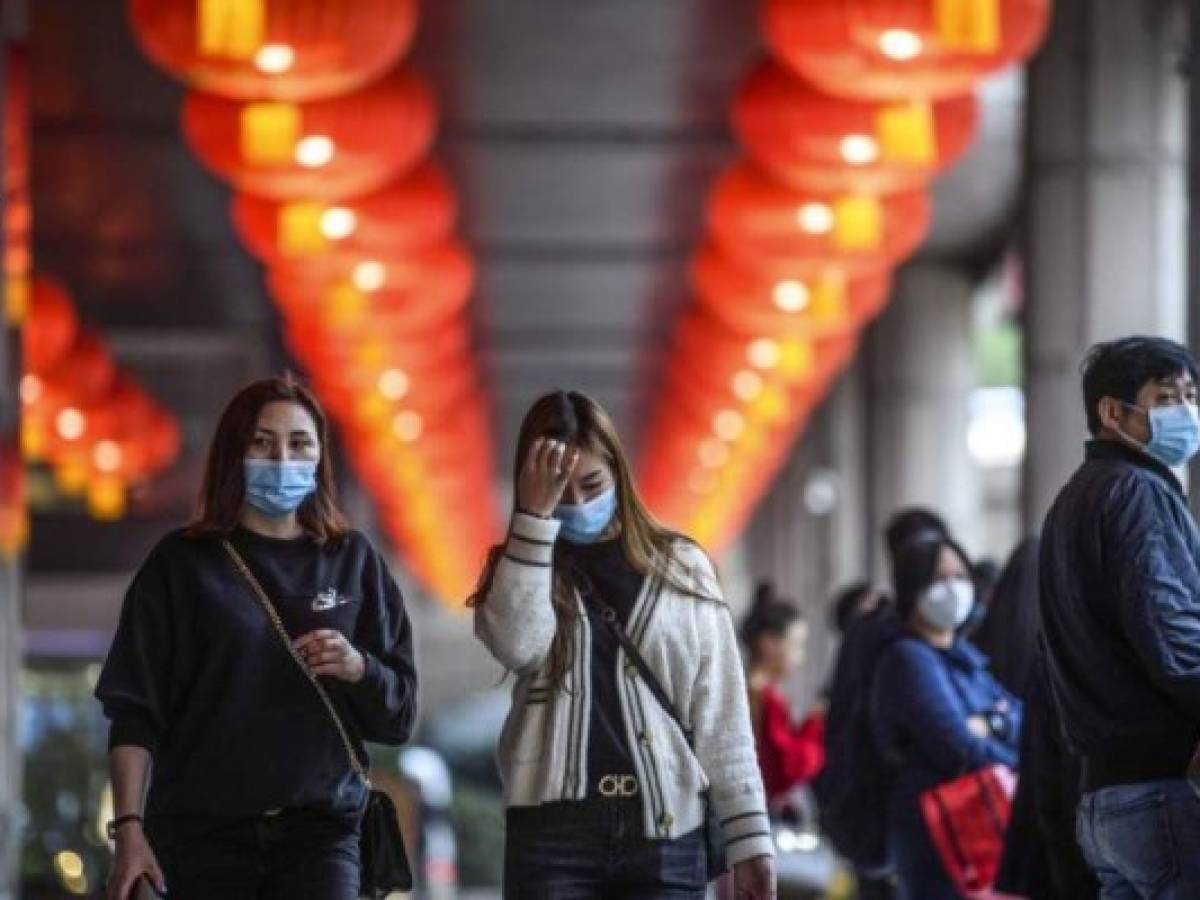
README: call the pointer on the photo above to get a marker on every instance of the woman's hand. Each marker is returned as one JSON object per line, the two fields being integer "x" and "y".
{"x": 327, "y": 652}
{"x": 134, "y": 859}
{"x": 754, "y": 879}
{"x": 544, "y": 477}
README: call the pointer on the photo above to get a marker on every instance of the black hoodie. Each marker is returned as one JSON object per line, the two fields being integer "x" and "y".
{"x": 199, "y": 677}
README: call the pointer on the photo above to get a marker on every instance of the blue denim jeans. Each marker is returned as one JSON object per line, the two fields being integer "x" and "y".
{"x": 294, "y": 855}
{"x": 1143, "y": 840}
{"x": 596, "y": 850}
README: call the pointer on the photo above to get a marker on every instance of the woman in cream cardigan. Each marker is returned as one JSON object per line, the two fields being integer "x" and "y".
{"x": 605, "y": 794}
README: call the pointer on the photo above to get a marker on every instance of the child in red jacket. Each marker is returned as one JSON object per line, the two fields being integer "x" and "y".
{"x": 789, "y": 753}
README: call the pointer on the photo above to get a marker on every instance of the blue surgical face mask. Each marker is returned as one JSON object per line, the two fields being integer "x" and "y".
{"x": 276, "y": 488}
{"x": 583, "y": 523}
{"x": 1174, "y": 433}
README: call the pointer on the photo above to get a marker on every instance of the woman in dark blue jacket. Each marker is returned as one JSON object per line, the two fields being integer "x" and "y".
{"x": 938, "y": 713}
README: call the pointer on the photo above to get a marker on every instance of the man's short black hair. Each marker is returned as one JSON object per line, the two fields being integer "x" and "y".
{"x": 1121, "y": 368}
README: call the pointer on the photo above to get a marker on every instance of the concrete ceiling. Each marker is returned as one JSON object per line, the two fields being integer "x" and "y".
{"x": 582, "y": 138}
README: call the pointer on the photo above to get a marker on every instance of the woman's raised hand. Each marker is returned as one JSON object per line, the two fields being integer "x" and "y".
{"x": 544, "y": 477}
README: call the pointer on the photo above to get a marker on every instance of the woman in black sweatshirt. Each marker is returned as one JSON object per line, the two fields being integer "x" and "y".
{"x": 218, "y": 739}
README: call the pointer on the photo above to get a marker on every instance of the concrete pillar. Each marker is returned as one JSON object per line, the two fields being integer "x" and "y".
{"x": 810, "y": 534}
{"x": 921, "y": 373}
{"x": 1105, "y": 212}
{"x": 12, "y": 29}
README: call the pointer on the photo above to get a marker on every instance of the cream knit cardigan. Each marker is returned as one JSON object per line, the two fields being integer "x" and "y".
{"x": 690, "y": 645}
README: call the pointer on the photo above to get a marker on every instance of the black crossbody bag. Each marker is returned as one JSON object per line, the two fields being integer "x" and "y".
{"x": 714, "y": 843}
{"x": 383, "y": 861}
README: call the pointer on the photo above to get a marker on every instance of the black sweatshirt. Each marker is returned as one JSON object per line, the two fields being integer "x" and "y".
{"x": 618, "y": 585}
{"x": 199, "y": 677}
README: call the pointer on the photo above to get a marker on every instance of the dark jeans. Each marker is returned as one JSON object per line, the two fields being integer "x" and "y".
{"x": 294, "y": 855}
{"x": 1143, "y": 840}
{"x": 596, "y": 850}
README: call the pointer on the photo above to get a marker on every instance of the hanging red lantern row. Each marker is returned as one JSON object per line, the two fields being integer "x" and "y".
{"x": 810, "y": 140}
{"x": 320, "y": 150}
{"x": 275, "y": 49}
{"x": 901, "y": 49}
{"x": 80, "y": 414}
{"x": 18, "y": 206}
{"x": 324, "y": 150}
{"x": 867, "y": 103}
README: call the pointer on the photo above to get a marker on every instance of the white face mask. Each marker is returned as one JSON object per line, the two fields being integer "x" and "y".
{"x": 946, "y": 604}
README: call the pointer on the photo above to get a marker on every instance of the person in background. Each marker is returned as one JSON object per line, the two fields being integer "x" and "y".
{"x": 937, "y": 712}
{"x": 1008, "y": 634}
{"x": 605, "y": 789}
{"x": 1120, "y": 602}
{"x": 855, "y": 601}
{"x": 250, "y": 788}
{"x": 870, "y": 625}
{"x": 789, "y": 753}
{"x": 1042, "y": 860}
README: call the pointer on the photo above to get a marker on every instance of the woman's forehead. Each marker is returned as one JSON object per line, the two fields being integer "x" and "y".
{"x": 285, "y": 416}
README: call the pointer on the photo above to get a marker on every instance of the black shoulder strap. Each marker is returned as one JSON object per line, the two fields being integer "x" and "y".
{"x": 590, "y": 595}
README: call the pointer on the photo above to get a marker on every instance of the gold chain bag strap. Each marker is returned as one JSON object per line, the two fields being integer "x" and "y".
{"x": 383, "y": 862}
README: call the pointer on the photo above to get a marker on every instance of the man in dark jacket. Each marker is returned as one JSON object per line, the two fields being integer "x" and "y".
{"x": 1120, "y": 602}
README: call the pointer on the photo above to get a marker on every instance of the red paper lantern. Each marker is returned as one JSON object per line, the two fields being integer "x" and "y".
{"x": 763, "y": 223}
{"x": 278, "y": 49}
{"x": 323, "y": 150}
{"x": 51, "y": 328}
{"x": 813, "y": 141}
{"x": 813, "y": 304}
{"x": 383, "y": 350}
{"x": 420, "y": 291}
{"x": 900, "y": 49}
{"x": 83, "y": 377}
{"x": 410, "y": 214}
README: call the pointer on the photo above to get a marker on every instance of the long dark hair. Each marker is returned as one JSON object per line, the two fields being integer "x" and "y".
{"x": 650, "y": 547}
{"x": 770, "y": 616}
{"x": 915, "y": 568}
{"x": 1009, "y": 632}
{"x": 223, "y": 493}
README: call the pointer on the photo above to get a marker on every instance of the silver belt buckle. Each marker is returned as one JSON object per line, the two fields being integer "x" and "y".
{"x": 619, "y": 786}
{"x": 272, "y": 813}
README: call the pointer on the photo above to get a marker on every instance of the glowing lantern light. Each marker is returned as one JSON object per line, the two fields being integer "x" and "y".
{"x": 393, "y": 384}
{"x": 408, "y": 426}
{"x": 314, "y": 151}
{"x": 274, "y": 59}
{"x": 369, "y": 276}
